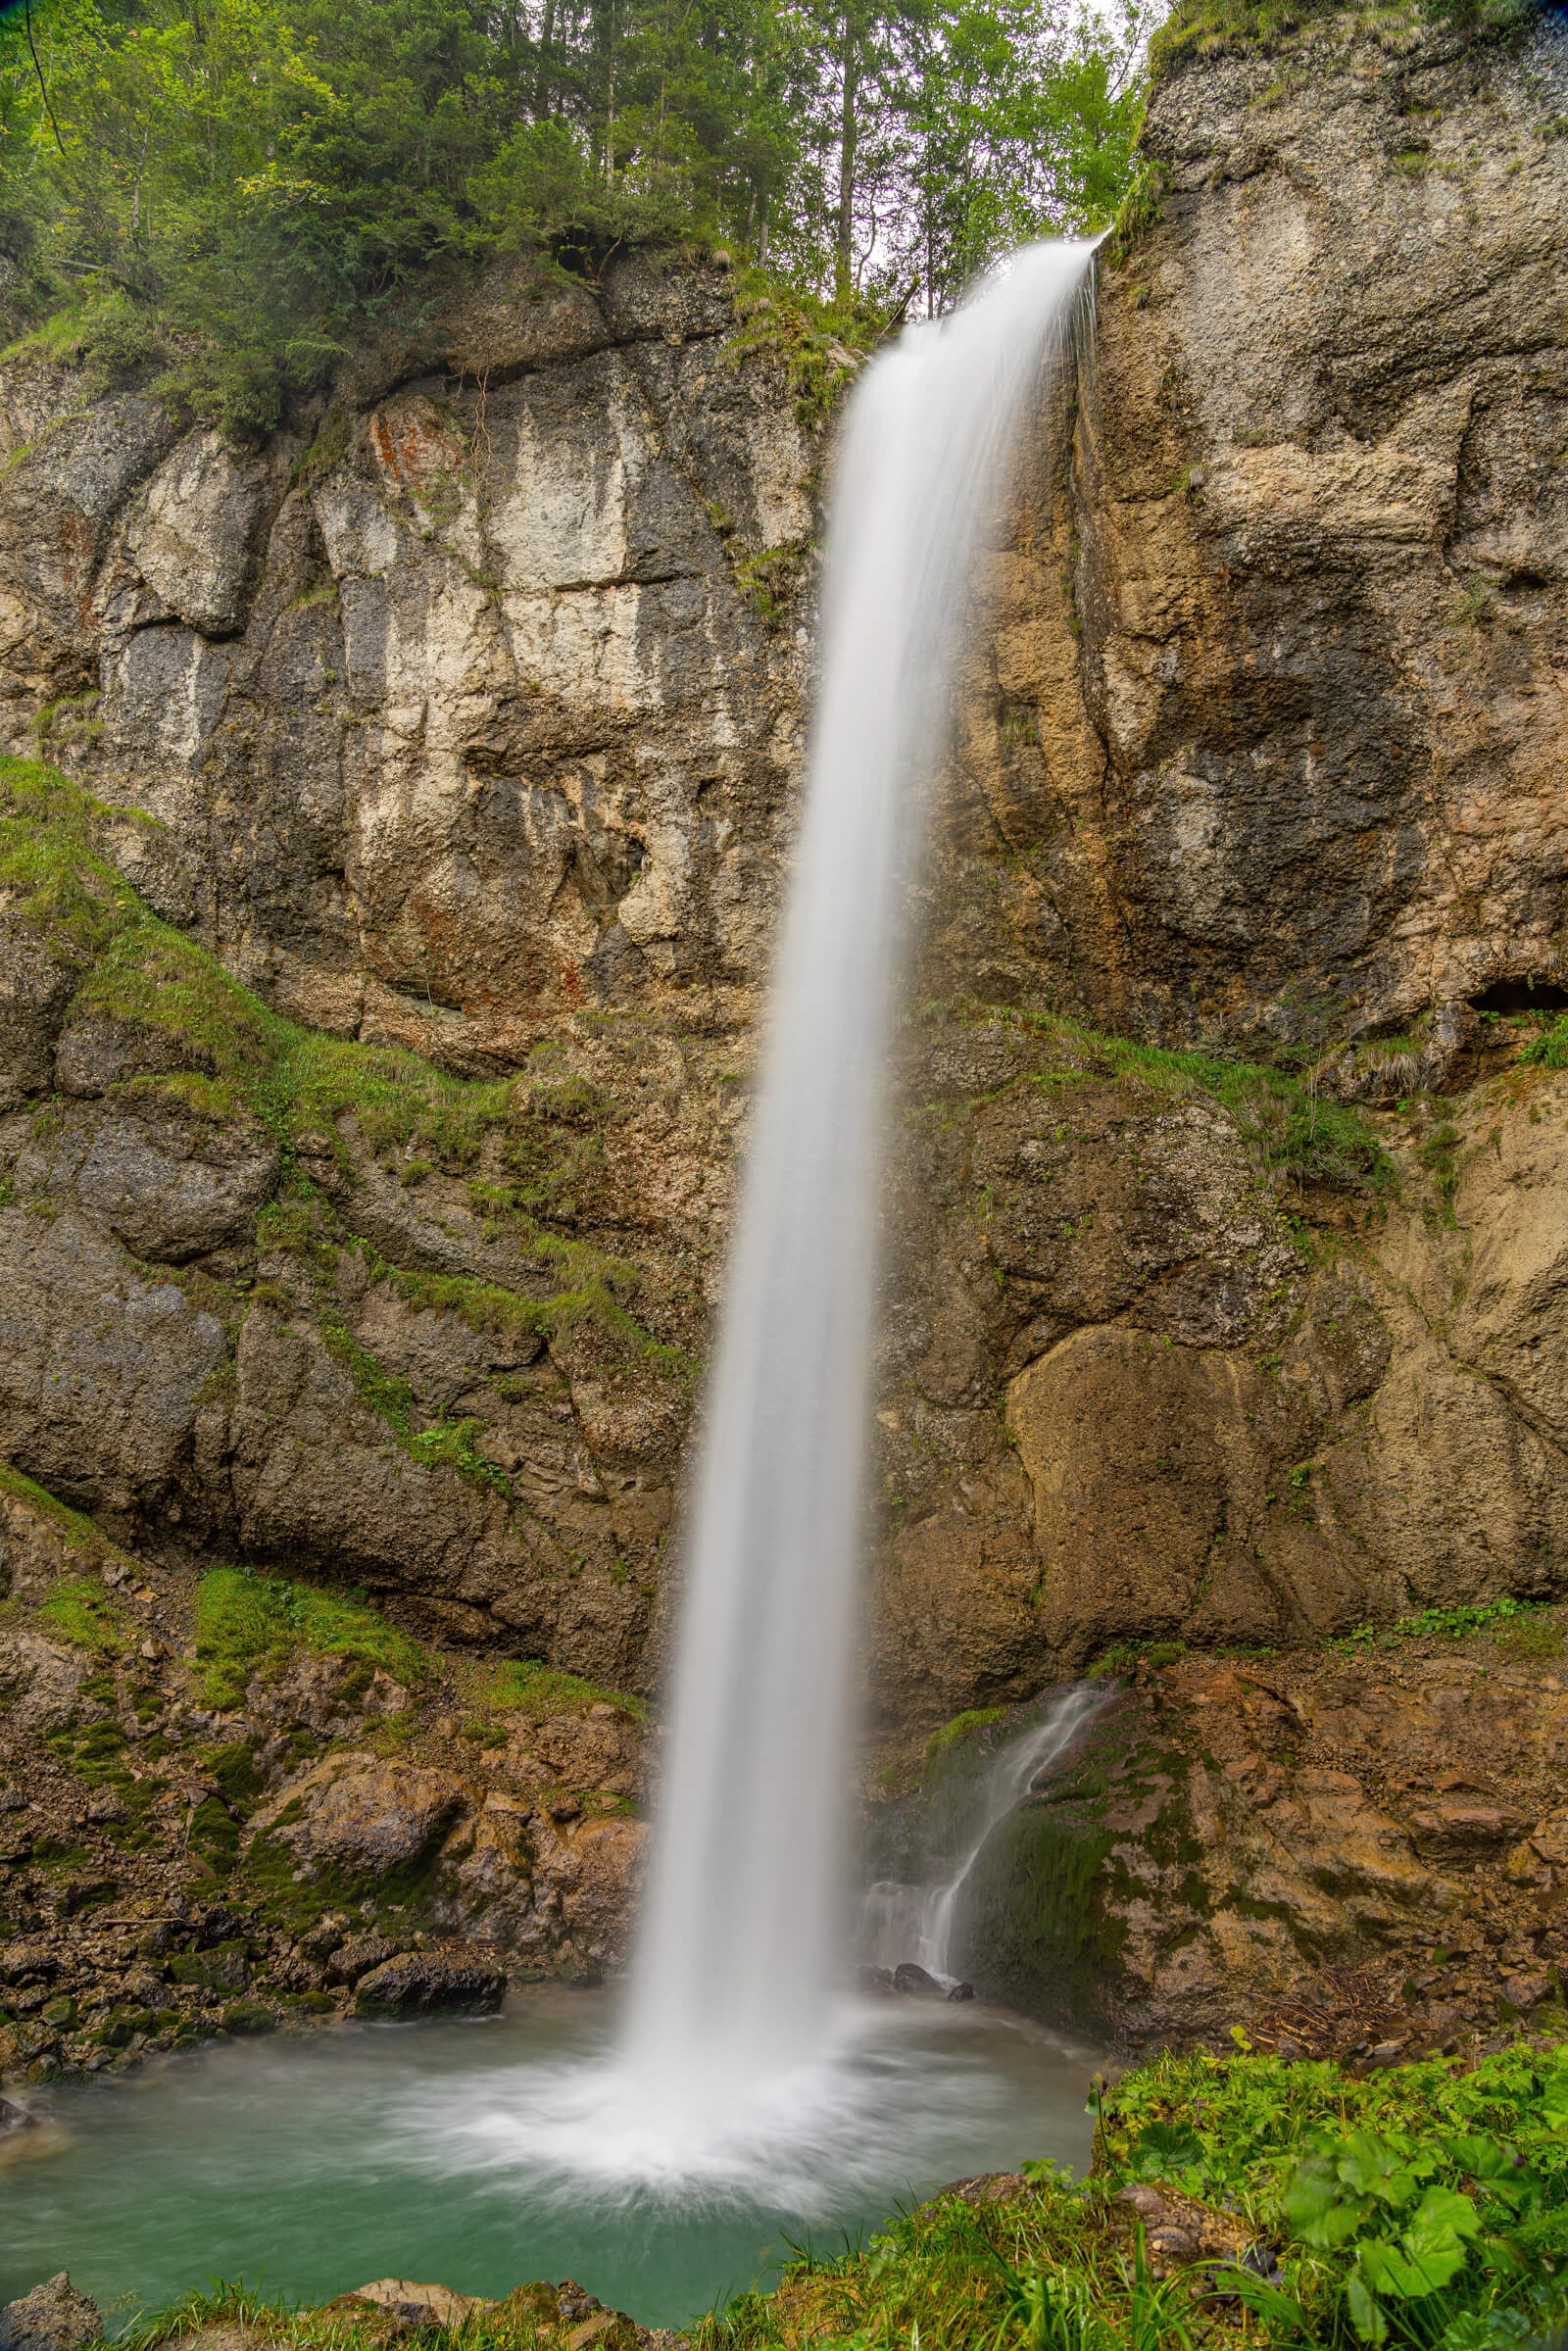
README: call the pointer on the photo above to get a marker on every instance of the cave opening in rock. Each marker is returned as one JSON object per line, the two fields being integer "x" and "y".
{"x": 1521, "y": 996}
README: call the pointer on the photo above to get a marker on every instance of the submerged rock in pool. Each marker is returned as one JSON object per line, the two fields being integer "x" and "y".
{"x": 54, "y": 2317}
{"x": 13, "y": 2117}
{"x": 421, "y": 1983}
{"x": 919, "y": 1982}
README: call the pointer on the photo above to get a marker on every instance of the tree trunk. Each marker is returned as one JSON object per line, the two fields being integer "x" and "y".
{"x": 849, "y": 136}
{"x": 541, "y": 87}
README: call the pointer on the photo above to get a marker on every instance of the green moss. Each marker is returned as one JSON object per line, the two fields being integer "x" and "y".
{"x": 1126, "y": 1656}
{"x": 1287, "y": 1128}
{"x": 214, "y": 1836}
{"x": 1037, "y": 1934}
{"x": 152, "y": 979}
{"x": 524, "y": 1686}
{"x": 247, "y": 1623}
{"x": 975, "y": 1718}
{"x": 51, "y": 864}
{"x": 236, "y": 1056}
{"x": 76, "y": 1528}
{"x": 82, "y": 1610}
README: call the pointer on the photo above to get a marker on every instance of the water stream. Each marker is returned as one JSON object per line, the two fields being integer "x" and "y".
{"x": 745, "y": 1923}
{"x": 924, "y": 1922}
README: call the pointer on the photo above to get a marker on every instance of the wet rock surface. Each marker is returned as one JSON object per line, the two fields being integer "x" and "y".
{"x": 1358, "y": 1855}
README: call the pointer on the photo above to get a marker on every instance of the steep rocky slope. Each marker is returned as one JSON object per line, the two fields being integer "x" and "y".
{"x": 377, "y": 1040}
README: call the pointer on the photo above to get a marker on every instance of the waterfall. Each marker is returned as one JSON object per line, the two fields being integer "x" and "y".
{"x": 921, "y": 1922}
{"x": 742, "y": 1936}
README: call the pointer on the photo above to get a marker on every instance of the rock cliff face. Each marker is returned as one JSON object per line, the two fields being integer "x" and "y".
{"x": 1278, "y": 706}
{"x": 375, "y": 1047}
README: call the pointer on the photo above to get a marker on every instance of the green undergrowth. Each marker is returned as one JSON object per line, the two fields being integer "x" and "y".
{"x": 1530, "y": 1628}
{"x": 524, "y": 1686}
{"x": 1549, "y": 1051}
{"x": 1197, "y": 29}
{"x": 1420, "y": 2207}
{"x": 819, "y": 341}
{"x": 246, "y": 1622}
{"x": 1290, "y": 1131}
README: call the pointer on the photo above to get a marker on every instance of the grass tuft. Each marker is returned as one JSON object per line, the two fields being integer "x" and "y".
{"x": 247, "y": 1624}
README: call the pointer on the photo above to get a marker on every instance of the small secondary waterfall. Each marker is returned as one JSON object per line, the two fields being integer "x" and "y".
{"x": 741, "y": 1938}
{"x": 921, "y": 1922}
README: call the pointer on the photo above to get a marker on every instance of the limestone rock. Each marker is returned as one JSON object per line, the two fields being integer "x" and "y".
{"x": 363, "y": 1821}
{"x": 171, "y": 1188}
{"x": 54, "y": 2317}
{"x": 40, "y": 1681}
{"x": 423, "y": 1985}
{"x": 194, "y": 539}
{"x": 35, "y": 988}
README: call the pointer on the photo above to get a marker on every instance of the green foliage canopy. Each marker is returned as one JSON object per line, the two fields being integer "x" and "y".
{"x": 242, "y": 190}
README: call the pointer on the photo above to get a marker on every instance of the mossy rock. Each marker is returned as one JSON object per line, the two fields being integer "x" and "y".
{"x": 1038, "y": 1933}
{"x": 122, "y": 2026}
{"x": 224, "y": 1968}
{"x": 248, "y": 2017}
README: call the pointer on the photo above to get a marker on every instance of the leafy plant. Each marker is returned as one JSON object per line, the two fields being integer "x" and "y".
{"x": 1549, "y": 1051}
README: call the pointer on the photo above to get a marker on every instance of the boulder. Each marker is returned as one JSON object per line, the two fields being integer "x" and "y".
{"x": 171, "y": 1188}
{"x": 426, "y": 1983}
{"x": 54, "y": 2317}
{"x": 373, "y": 1821}
{"x": 359, "y": 1955}
{"x": 917, "y": 1982}
{"x": 421, "y": 2305}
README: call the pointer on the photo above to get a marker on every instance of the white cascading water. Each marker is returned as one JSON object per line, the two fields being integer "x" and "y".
{"x": 732, "y": 2076}
{"x": 742, "y": 1944}
{"x": 924, "y": 1922}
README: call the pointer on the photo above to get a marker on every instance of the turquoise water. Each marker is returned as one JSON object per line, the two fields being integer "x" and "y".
{"x": 486, "y": 2153}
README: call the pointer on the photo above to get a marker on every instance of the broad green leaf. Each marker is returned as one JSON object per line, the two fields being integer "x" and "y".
{"x": 1366, "y": 2316}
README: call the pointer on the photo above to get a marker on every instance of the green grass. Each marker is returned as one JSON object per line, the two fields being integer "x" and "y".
{"x": 528, "y": 2319}
{"x": 83, "y": 1611}
{"x": 1549, "y": 1051}
{"x": 246, "y": 1622}
{"x": 1197, "y": 29}
{"x": 524, "y": 1686}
